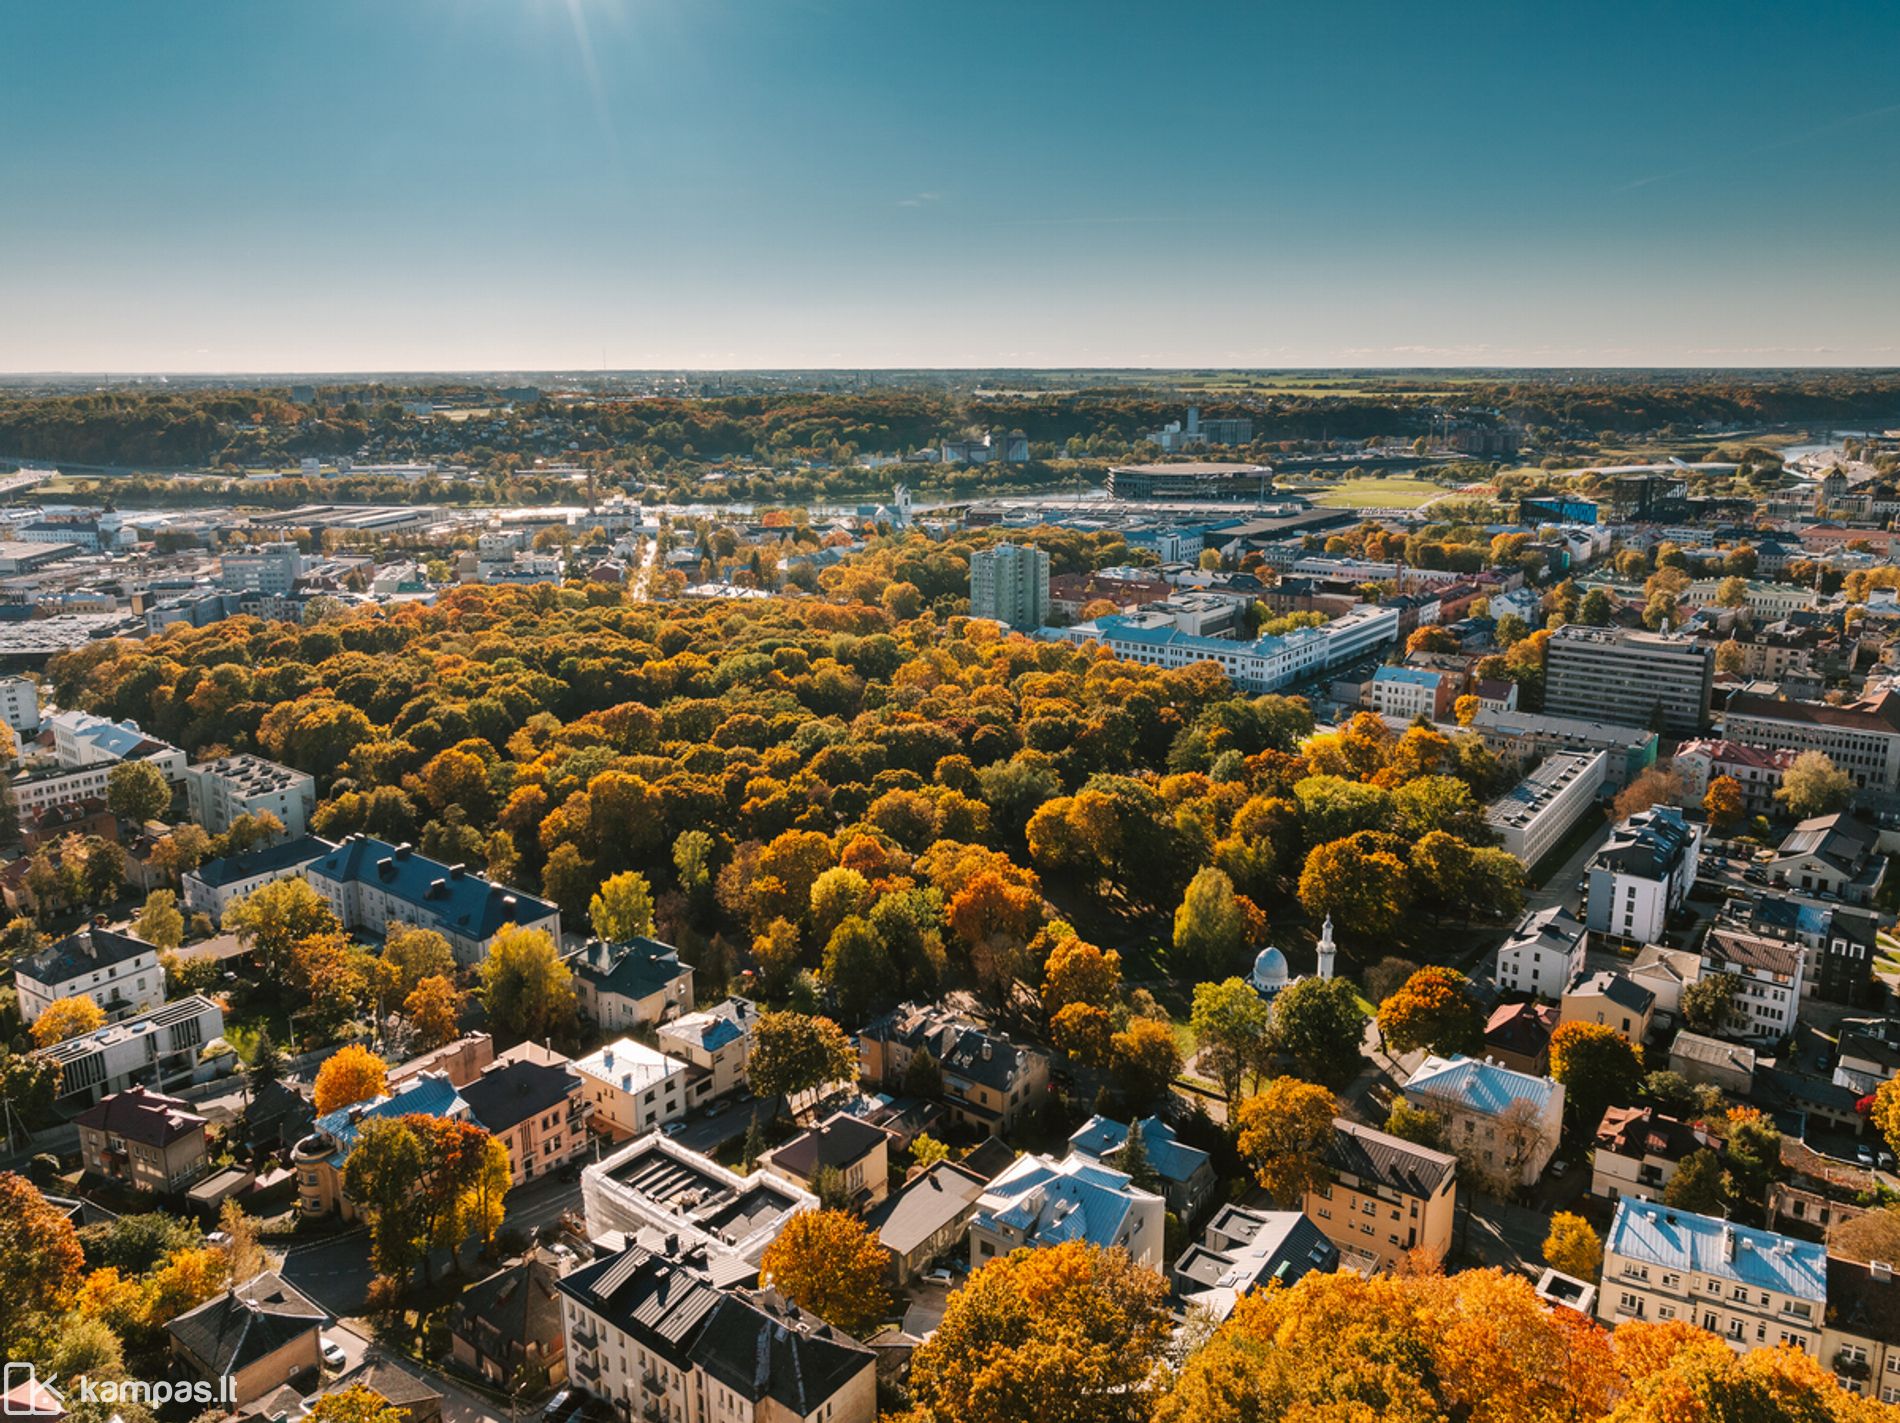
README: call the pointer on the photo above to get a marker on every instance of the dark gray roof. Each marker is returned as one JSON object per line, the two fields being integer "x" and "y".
{"x": 1392, "y": 1161}
{"x": 634, "y": 968}
{"x": 762, "y": 1346}
{"x": 1622, "y": 991}
{"x": 517, "y": 1305}
{"x": 233, "y": 869}
{"x": 839, "y": 1141}
{"x": 245, "y": 1324}
{"x": 141, "y": 1115}
{"x": 83, "y": 951}
{"x": 508, "y": 1093}
{"x": 661, "y": 1301}
{"x": 451, "y": 898}
{"x": 934, "y": 1200}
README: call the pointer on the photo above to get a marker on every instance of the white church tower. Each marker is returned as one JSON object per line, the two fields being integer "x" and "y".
{"x": 1327, "y": 953}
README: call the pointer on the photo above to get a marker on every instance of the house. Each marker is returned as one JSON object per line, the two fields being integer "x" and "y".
{"x": 1186, "y": 1173}
{"x": 652, "y": 1334}
{"x": 538, "y": 1110}
{"x": 212, "y": 887}
{"x": 1860, "y": 1341}
{"x": 1752, "y": 1288}
{"x": 1841, "y": 943}
{"x": 1411, "y": 692}
{"x": 461, "y": 1061}
{"x": 509, "y": 1324}
{"x": 631, "y": 1088}
{"x": 221, "y": 791}
{"x": 1244, "y": 1250}
{"x": 857, "y": 1151}
{"x": 1388, "y": 1197}
{"x": 1665, "y": 972}
{"x": 657, "y": 1184}
{"x": 1867, "y": 1053}
{"x": 143, "y": 1140}
{"x": 1830, "y": 855}
{"x": 1642, "y": 875}
{"x": 115, "y": 968}
{"x": 1039, "y": 1201}
{"x": 989, "y": 1083}
{"x": 1705, "y": 1059}
{"x": 401, "y": 1390}
{"x": 1768, "y": 976}
{"x": 1517, "y": 1035}
{"x": 371, "y": 884}
{"x": 319, "y": 1158}
{"x": 1611, "y": 999}
{"x": 1544, "y": 953}
{"x": 1756, "y": 769}
{"x": 715, "y": 1043}
{"x": 259, "y": 1336}
{"x": 1504, "y": 1123}
{"x": 1638, "y": 1150}
{"x": 159, "y": 1049}
{"x": 632, "y": 984}
{"x": 928, "y": 1218}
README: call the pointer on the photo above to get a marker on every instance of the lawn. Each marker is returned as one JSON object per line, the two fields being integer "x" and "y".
{"x": 1392, "y": 491}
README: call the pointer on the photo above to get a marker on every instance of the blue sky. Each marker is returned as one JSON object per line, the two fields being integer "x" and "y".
{"x": 543, "y": 184}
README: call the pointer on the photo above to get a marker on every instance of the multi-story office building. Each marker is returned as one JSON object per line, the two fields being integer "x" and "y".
{"x": 1753, "y": 1288}
{"x": 158, "y": 1049}
{"x": 1861, "y": 738}
{"x": 1410, "y": 693}
{"x": 1533, "y": 817}
{"x": 267, "y": 568}
{"x": 1010, "y": 584}
{"x": 1652, "y": 679}
{"x": 1642, "y": 874}
{"x": 1387, "y": 1198}
{"x": 220, "y": 791}
{"x": 82, "y": 740}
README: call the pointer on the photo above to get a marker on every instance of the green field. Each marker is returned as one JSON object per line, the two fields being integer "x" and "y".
{"x": 1394, "y": 491}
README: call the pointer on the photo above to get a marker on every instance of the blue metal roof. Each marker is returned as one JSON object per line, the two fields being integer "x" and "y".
{"x": 428, "y": 1096}
{"x": 1682, "y": 1240}
{"x": 1415, "y": 676}
{"x": 1481, "y": 1086}
{"x": 1101, "y": 1137}
{"x": 461, "y": 903}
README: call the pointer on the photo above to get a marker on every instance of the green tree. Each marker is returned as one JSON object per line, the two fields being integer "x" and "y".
{"x": 857, "y": 970}
{"x": 137, "y": 791}
{"x": 273, "y": 918}
{"x": 1813, "y": 785}
{"x": 1598, "y": 1068}
{"x": 1699, "y": 1185}
{"x": 1209, "y": 925}
{"x": 526, "y": 987}
{"x": 1417, "y": 1125}
{"x": 1319, "y": 1024}
{"x": 794, "y": 1053}
{"x": 1234, "y": 1027}
{"x": 159, "y": 923}
{"x": 623, "y": 908}
{"x": 416, "y": 953}
{"x": 1705, "y": 1002}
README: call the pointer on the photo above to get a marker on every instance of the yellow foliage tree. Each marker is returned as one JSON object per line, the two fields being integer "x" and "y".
{"x": 1573, "y": 1247}
{"x": 1284, "y": 1131}
{"x": 66, "y": 1018}
{"x": 829, "y": 1263}
{"x": 351, "y": 1074}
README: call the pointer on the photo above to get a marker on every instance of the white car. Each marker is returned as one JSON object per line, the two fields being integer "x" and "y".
{"x": 938, "y": 1276}
{"x": 333, "y": 1355}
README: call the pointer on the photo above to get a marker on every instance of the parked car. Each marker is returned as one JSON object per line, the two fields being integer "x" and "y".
{"x": 563, "y": 1406}
{"x": 938, "y": 1276}
{"x": 672, "y": 1128}
{"x": 1865, "y": 1156}
{"x": 333, "y": 1355}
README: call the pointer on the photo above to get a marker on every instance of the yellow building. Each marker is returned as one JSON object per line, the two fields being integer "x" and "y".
{"x": 1388, "y": 1198}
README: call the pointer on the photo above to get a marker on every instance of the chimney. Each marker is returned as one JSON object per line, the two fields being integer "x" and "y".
{"x": 1728, "y": 1242}
{"x": 1881, "y": 1270}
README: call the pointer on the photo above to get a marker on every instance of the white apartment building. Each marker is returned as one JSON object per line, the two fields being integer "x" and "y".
{"x": 222, "y": 790}
{"x": 1009, "y": 583}
{"x": 1752, "y": 1288}
{"x": 212, "y": 887}
{"x": 82, "y": 740}
{"x": 20, "y": 704}
{"x": 1408, "y": 693}
{"x": 633, "y": 1088}
{"x": 1544, "y": 953}
{"x": 1642, "y": 875}
{"x": 716, "y": 1040}
{"x": 268, "y": 568}
{"x": 1769, "y": 979}
{"x": 118, "y": 971}
{"x": 1504, "y": 1124}
{"x": 656, "y": 1184}
{"x": 1039, "y": 1201}
{"x": 37, "y": 786}
{"x": 1533, "y": 817}
{"x": 1264, "y": 665}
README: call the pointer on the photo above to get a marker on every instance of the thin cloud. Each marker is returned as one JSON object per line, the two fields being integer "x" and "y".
{"x": 920, "y": 200}
{"x": 1793, "y": 140}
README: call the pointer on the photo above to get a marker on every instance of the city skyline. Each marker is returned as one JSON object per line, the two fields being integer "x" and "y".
{"x": 588, "y": 184}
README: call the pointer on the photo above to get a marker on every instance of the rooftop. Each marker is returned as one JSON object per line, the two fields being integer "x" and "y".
{"x": 1483, "y": 1087}
{"x": 1662, "y": 1235}
{"x": 630, "y": 1066}
{"x": 454, "y": 899}
{"x": 141, "y": 1115}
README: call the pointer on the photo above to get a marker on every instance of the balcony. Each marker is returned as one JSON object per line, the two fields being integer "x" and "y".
{"x": 583, "y": 1335}
{"x": 1849, "y": 1367}
{"x": 586, "y": 1367}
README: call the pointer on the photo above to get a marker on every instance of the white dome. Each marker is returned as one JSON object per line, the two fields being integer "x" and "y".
{"x": 1269, "y": 970}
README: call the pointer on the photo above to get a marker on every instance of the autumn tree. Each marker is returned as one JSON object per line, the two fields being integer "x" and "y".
{"x": 1085, "y": 1032}
{"x": 274, "y": 917}
{"x": 1573, "y": 1247}
{"x": 434, "y": 1010}
{"x": 1872, "y": 1235}
{"x": 1813, "y": 785}
{"x": 1285, "y": 1130}
{"x": 40, "y": 1259}
{"x": 1075, "y": 971}
{"x": 1433, "y": 1012}
{"x": 356, "y": 1404}
{"x": 1699, "y": 1184}
{"x": 526, "y": 987}
{"x": 1656, "y": 786}
{"x": 65, "y": 1018}
{"x": 349, "y": 1075}
{"x": 794, "y": 1053}
{"x": 1144, "y": 1059}
{"x": 829, "y": 1263}
{"x": 1070, "y": 1334}
{"x": 417, "y": 953}
{"x": 1418, "y": 1125}
{"x": 1362, "y": 889}
{"x": 1598, "y": 1069}
{"x": 1723, "y": 802}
